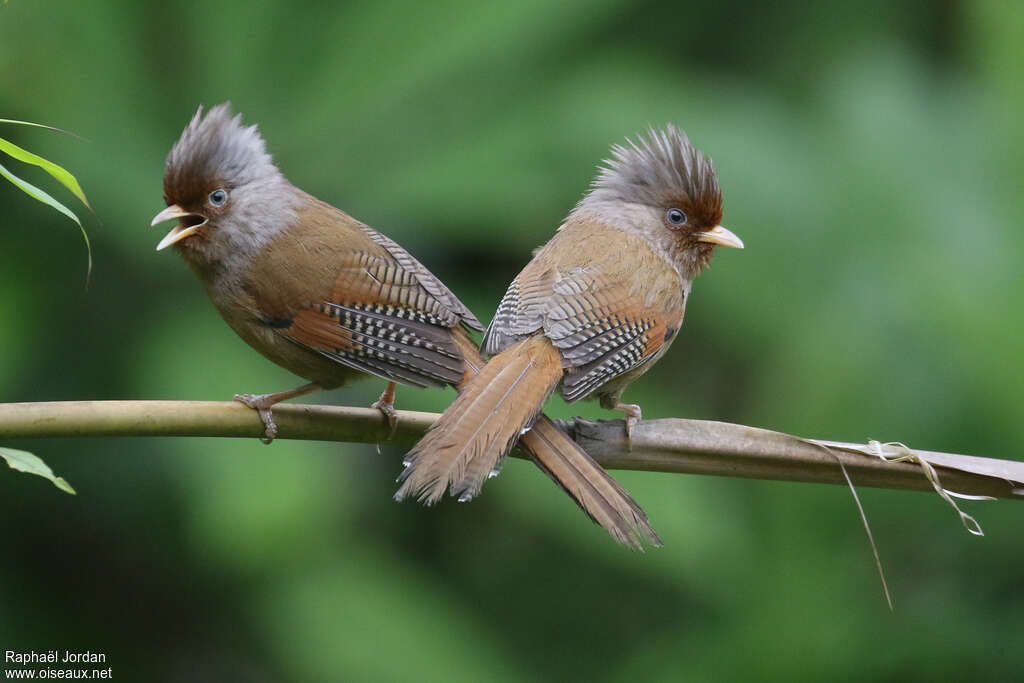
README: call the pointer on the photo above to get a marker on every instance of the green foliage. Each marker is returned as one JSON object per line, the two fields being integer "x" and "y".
{"x": 23, "y": 461}
{"x": 59, "y": 173}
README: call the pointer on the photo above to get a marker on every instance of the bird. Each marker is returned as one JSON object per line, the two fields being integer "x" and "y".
{"x": 330, "y": 299}
{"x": 595, "y": 308}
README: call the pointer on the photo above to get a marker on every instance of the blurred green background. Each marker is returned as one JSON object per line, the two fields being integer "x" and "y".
{"x": 871, "y": 157}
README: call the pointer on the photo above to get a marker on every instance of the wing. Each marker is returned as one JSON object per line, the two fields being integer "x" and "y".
{"x": 368, "y": 305}
{"x": 441, "y": 294}
{"x": 379, "y": 319}
{"x": 607, "y": 315}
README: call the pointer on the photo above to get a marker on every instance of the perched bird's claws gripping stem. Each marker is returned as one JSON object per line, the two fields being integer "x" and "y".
{"x": 386, "y": 405}
{"x": 258, "y": 403}
{"x": 633, "y": 417}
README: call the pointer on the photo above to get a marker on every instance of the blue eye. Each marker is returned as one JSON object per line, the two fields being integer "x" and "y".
{"x": 218, "y": 197}
{"x": 675, "y": 217}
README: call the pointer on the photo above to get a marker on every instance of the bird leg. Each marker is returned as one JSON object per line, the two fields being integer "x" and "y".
{"x": 386, "y": 405}
{"x": 262, "y": 403}
{"x": 633, "y": 416}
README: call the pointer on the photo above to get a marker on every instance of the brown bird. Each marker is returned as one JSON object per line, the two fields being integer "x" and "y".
{"x": 329, "y": 298}
{"x": 594, "y": 309}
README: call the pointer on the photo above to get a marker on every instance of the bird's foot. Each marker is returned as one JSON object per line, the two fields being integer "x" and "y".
{"x": 386, "y": 405}
{"x": 262, "y": 404}
{"x": 633, "y": 417}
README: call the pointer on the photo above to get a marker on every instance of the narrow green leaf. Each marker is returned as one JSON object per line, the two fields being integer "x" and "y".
{"x": 23, "y": 461}
{"x": 41, "y": 125}
{"x": 60, "y": 173}
{"x": 40, "y": 195}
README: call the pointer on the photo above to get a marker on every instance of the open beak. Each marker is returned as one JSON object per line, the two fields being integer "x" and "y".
{"x": 719, "y": 235}
{"x": 179, "y": 231}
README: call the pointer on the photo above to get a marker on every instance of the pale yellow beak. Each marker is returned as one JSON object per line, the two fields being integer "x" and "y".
{"x": 179, "y": 231}
{"x": 722, "y": 236}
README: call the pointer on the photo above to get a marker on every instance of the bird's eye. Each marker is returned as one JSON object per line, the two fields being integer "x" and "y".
{"x": 675, "y": 217}
{"x": 218, "y": 197}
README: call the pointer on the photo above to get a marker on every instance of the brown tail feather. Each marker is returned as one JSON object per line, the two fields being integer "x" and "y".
{"x": 593, "y": 489}
{"x": 483, "y": 423}
{"x": 432, "y": 464}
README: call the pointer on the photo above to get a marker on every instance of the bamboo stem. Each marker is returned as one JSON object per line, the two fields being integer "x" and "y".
{"x": 664, "y": 445}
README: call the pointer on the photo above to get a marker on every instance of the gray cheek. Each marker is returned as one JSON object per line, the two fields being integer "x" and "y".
{"x": 259, "y": 212}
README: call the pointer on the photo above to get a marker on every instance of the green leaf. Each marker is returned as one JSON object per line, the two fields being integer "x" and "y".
{"x": 40, "y": 195}
{"x": 40, "y": 125}
{"x": 23, "y": 461}
{"x": 59, "y": 172}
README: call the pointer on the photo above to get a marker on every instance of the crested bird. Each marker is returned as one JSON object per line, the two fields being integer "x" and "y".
{"x": 330, "y": 299}
{"x": 594, "y": 309}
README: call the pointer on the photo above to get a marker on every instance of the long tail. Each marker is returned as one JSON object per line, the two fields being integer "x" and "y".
{"x": 482, "y": 423}
{"x": 593, "y": 489}
{"x": 460, "y": 452}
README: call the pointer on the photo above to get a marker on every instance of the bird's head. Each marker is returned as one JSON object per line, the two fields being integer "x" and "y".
{"x": 223, "y": 188}
{"x": 665, "y": 189}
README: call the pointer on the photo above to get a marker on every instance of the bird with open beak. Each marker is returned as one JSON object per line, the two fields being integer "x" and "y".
{"x": 329, "y": 298}
{"x": 305, "y": 284}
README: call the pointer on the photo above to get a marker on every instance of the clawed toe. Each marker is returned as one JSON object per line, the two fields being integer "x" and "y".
{"x": 249, "y": 400}
{"x": 633, "y": 417}
{"x": 257, "y": 403}
{"x": 388, "y": 410}
{"x": 262, "y": 403}
{"x": 631, "y": 422}
{"x": 267, "y": 415}
{"x": 386, "y": 405}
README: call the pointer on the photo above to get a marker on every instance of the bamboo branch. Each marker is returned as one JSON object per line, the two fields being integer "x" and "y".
{"x": 665, "y": 445}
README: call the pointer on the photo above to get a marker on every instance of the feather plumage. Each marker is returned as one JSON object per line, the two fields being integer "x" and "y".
{"x": 482, "y": 424}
